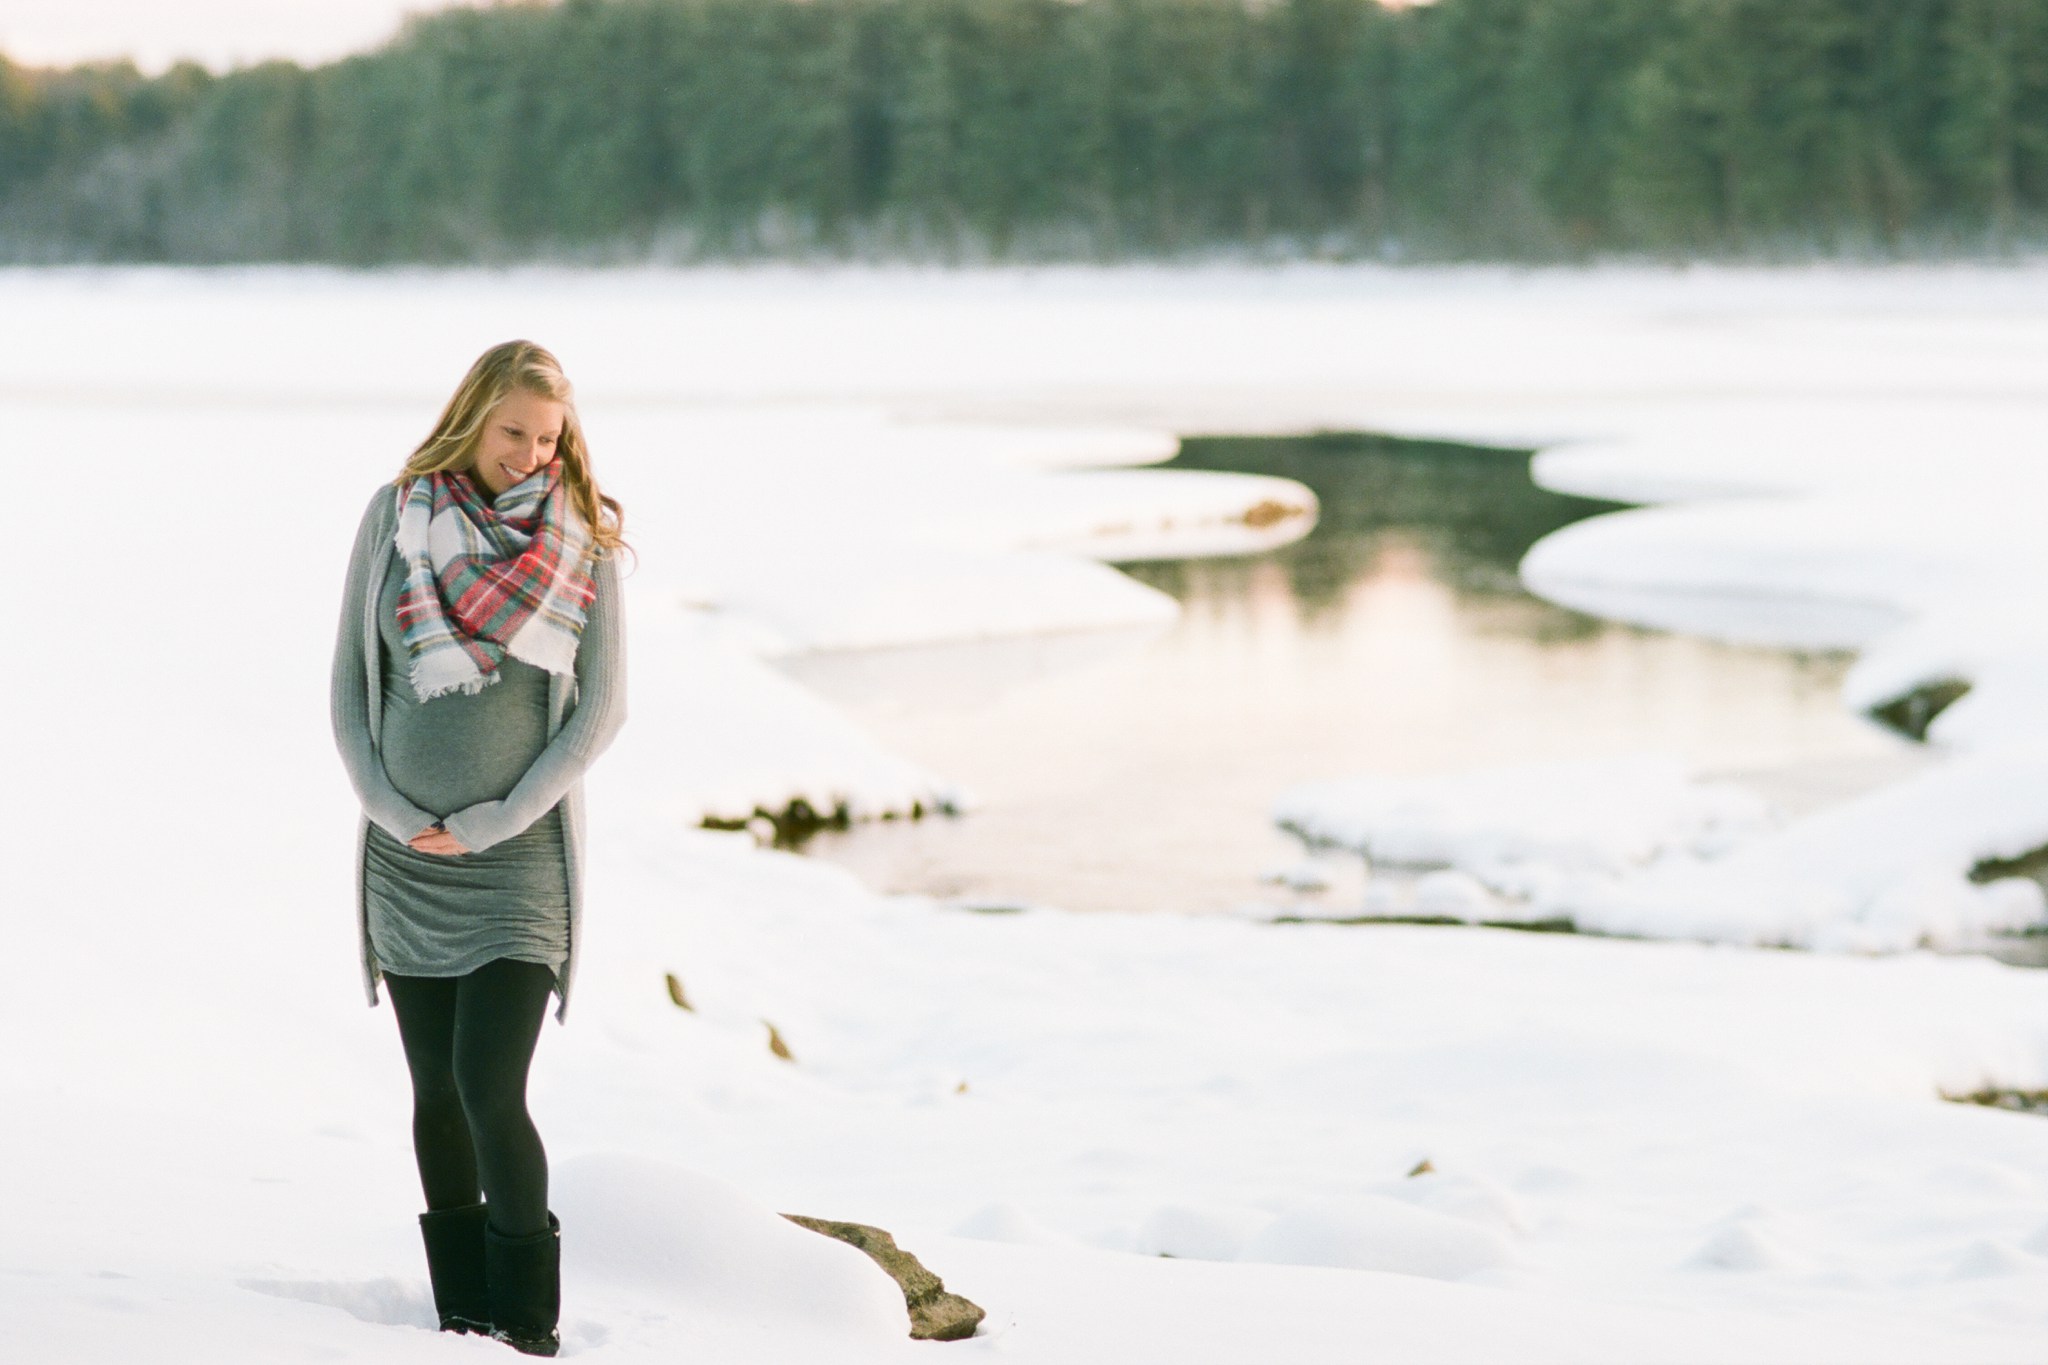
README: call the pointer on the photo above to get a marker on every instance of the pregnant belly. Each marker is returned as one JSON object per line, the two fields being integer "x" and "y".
{"x": 462, "y": 748}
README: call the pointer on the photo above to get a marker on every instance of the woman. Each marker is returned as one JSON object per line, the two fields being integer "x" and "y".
{"x": 479, "y": 671}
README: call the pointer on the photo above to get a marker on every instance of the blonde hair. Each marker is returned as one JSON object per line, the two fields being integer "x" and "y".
{"x": 497, "y": 372}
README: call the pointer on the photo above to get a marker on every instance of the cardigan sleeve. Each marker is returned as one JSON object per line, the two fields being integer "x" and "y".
{"x": 349, "y": 687}
{"x": 595, "y": 718}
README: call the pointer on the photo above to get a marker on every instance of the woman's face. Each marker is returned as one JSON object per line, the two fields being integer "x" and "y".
{"x": 518, "y": 438}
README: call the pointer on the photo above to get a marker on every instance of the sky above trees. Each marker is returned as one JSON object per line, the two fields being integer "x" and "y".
{"x": 218, "y": 33}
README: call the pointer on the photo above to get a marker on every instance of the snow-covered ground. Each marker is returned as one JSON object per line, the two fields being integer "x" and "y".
{"x": 1637, "y": 1151}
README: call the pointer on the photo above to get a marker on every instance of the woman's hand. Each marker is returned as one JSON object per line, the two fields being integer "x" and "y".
{"x": 434, "y": 839}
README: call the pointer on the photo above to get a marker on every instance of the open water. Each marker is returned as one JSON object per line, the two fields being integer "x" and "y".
{"x": 1136, "y": 771}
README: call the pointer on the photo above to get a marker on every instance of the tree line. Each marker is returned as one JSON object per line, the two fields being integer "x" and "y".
{"x": 1063, "y": 129}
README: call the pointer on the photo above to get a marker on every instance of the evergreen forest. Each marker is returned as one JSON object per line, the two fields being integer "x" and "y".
{"x": 1090, "y": 130}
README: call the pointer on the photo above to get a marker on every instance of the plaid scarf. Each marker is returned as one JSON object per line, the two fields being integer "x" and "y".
{"x": 484, "y": 579}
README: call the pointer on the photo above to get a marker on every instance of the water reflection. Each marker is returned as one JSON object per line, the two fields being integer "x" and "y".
{"x": 1136, "y": 771}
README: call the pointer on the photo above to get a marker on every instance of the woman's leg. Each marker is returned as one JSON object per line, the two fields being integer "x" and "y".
{"x": 426, "y": 1010}
{"x": 499, "y": 1008}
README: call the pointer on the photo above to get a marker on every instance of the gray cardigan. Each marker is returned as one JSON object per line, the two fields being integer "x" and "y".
{"x": 584, "y": 713}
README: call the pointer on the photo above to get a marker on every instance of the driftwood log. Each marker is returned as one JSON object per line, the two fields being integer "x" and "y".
{"x": 935, "y": 1313}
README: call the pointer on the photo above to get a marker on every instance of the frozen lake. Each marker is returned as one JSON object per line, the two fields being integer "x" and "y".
{"x": 1135, "y": 770}
{"x": 1130, "y": 1137}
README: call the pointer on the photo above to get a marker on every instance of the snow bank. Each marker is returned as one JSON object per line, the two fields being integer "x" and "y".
{"x": 1364, "y": 1232}
{"x": 1589, "y": 815}
{"x": 1642, "y": 847}
{"x": 1992, "y": 640}
{"x": 1888, "y": 446}
{"x": 725, "y": 736}
{"x": 1130, "y": 515}
{"x": 842, "y": 528}
{"x": 1885, "y": 871}
{"x": 1904, "y": 528}
{"x": 713, "y": 1263}
{"x": 1805, "y": 572}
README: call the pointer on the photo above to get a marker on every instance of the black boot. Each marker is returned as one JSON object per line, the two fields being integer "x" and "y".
{"x": 455, "y": 1265}
{"x": 525, "y": 1276}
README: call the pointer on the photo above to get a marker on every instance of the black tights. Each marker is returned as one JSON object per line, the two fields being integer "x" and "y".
{"x": 468, "y": 1043}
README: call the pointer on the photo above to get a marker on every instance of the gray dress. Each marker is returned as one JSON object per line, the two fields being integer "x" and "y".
{"x": 435, "y": 915}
